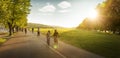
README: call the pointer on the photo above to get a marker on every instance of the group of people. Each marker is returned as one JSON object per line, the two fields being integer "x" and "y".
{"x": 48, "y": 36}
{"x": 55, "y": 37}
{"x": 38, "y": 31}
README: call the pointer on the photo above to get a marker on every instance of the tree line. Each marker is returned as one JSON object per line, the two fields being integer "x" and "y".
{"x": 35, "y": 25}
{"x": 13, "y": 14}
{"x": 108, "y": 18}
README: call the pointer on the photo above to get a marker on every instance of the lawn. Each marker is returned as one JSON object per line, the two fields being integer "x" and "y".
{"x": 60, "y": 30}
{"x": 2, "y": 40}
{"x": 107, "y": 45}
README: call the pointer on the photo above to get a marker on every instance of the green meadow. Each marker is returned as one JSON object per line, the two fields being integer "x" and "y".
{"x": 107, "y": 45}
{"x": 2, "y": 40}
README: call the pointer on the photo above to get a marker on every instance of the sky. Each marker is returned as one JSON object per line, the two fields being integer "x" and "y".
{"x": 64, "y": 13}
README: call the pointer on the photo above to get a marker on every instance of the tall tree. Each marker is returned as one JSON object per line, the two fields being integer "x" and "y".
{"x": 14, "y": 11}
{"x": 87, "y": 24}
{"x": 109, "y": 14}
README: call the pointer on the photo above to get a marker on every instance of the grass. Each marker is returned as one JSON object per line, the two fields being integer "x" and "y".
{"x": 2, "y": 40}
{"x": 60, "y": 30}
{"x": 106, "y": 45}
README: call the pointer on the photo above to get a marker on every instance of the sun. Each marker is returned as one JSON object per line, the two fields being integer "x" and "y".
{"x": 92, "y": 14}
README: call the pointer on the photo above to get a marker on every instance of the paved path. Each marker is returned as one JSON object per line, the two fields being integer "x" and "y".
{"x": 31, "y": 46}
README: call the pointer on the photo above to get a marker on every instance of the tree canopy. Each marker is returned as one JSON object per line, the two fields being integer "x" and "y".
{"x": 13, "y": 13}
{"x": 109, "y": 16}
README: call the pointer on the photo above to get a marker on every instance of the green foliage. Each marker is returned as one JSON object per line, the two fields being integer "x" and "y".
{"x": 13, "y": 13}
{"x": 109, "y": 15}
{"x": 87, "y": 24}
{"x": 108, "y": 19}
{"x": 2, "y": 40}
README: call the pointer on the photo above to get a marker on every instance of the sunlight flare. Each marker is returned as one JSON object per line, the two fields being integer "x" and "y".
{"x": 92, "y": 14}
{"x": 55, "y": 46}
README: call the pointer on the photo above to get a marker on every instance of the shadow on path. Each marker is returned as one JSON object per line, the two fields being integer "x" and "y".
{"x": 16, "y": 43}
{"x": 28, "y": 46}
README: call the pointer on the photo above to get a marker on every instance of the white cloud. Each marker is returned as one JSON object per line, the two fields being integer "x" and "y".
{"x": 64, "y": 11}
{"x": 48, "y": 14}
{"x": 48, "y": 8}
{"x": 64, "y": 4}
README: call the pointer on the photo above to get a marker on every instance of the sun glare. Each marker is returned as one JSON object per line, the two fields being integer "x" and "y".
{"x": 92, "y": 14}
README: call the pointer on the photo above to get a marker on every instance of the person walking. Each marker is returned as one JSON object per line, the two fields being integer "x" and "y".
{"x": 25, "y": 30}
{"x": 32, "y": 30}
{"x": 48, "y": 37}
{"x": 55, "y": 36}
{"x": 38, "y": 32}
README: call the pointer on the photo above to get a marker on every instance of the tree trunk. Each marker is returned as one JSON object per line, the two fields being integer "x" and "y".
{"x": 119, "y": 32}
{"x": 114, "y": 31}
{"x": 17, "y": 29}
{"x": 13, "y": 30}
{"x": 105, "y": 31}
{"x": 22, "y": 29}
{"x": 10, "y": 29}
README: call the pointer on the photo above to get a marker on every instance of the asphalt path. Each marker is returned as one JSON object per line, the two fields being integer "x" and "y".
{"x": 32, "y": 46}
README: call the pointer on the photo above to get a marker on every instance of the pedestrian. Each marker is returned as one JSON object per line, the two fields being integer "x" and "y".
{"x": 48, "y": 37}
{"x": 32, "y": 30}
{"x": 22, "y": 29}
{"x": 25, "y": 30}
{"x": 38, "y": 32}
{"x": 55, "y": 36}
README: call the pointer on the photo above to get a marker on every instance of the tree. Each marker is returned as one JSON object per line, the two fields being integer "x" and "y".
{"x": 87, "y": 24}
{"x": 108, "y": 19}
{"x": 109, "y": 14}
{"x": 12, "y": 12}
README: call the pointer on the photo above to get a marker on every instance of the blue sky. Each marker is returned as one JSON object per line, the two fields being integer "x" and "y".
{"x": 65, "y": 13}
